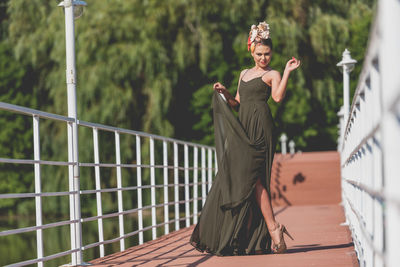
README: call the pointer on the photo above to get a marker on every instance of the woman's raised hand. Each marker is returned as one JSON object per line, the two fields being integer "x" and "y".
{"x": 219, "y": 87}
{"x": 292, "y": 64}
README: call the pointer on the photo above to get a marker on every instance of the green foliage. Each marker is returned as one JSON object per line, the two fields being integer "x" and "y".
{"x": 150, "y": 66}
{"x": 315, "y": 32}
{"x": 15, "y": 140}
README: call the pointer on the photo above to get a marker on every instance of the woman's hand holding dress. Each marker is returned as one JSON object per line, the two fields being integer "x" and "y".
{"x": 233, "y": 103}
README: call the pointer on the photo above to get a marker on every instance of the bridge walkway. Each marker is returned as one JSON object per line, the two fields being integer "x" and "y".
{"x": 306, "y": 198}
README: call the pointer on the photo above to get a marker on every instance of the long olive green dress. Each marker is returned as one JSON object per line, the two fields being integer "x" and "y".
{"x": 231, "y": 222}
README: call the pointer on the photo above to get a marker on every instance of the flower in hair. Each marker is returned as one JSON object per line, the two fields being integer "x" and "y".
{"x": 260, "y": 31}
{"x": 263, "y": 30}
{"x": 254, "y": 32}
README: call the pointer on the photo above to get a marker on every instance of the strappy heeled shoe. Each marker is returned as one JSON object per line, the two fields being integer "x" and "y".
{"x": 281, "y": 247}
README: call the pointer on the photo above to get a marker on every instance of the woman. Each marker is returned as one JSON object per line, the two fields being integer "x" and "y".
{"x": 237, "y": 217}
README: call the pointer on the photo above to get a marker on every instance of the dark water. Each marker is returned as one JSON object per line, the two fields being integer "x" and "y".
{"x": 21, "y": 247}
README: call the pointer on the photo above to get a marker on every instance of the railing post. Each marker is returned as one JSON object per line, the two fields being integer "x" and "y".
{"x": 119, "y": 186}
{"x": 187, "y": 197}
{"x": 153, "y": 190}
{"x": 389, "y": 56}
{"x": 341, "y": 125}
{"x": 176, "y": 185}
{"x": 38, "y": 189}
{"x": 73, "y": 134}
{"x": 195, "y": 184}
{"x": 139, "y": 185}
{"x": 98, "y": 187}
{"x": 283, "y": 143}
{"x": 348, "y": 65}
{"x": 291, "y": 147}
{"x": 215, "y": 162}
{"x": 166, "y": 207}
{"x": 209, "y": 169}
{"x": 203, "y": 175}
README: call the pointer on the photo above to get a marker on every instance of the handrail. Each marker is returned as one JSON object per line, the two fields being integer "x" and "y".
{"x": 369, "y": 146}
{"x": 205, "y": 164}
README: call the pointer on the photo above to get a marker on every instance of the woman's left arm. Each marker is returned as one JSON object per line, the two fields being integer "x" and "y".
{"x": 278, "y": 83}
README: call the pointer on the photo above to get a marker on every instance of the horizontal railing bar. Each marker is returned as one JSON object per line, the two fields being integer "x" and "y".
{"x": 362, "y": 143}
{"x": 142, "y": 134}
{"x": 29, "y": 111}
{"x": 85, "y": 192}
{"x": 34, "y": 228}
{"x": 364, "y": 231}
{"x": 46, "y": 194}
{"x": 379, "y": 195}
{"x": 113, "y": 165}
{"x": 108, "y": 190}
{"x": 31, "y": 161}
{"x": 114, "y": 214}
{"x": 50, "y": 257}
{"x": 373, "y": 193}
{"x": 42, "y": 114}
{"x": 133, "y": 233}
{"x": 393, "y": 105}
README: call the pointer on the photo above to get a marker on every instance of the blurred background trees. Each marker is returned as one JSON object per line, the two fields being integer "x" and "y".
{"x": 150, "y": 65}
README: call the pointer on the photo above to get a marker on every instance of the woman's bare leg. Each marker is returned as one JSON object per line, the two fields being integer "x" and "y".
{"x": 264, "y": 203}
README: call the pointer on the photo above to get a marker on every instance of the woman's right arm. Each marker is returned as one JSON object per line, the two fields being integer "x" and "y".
{"x": 232, "y": 102}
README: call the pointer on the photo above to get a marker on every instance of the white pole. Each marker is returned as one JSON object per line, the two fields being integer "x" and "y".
{"x": 166, "y": 207}
{"x": 209, "y": 169}
{"x": 38, "y": 189}
{"x": 215, "y": 162}
{"x": 283, "y": 143}
{"x": 348, "y": 64}
{"x": 119, "y": 185}
{"x": 139, "y": 190}
{"x": 203, "y": 176}
{"x": 291, "y": 147}
{"x": 153, "y": 190}
{"x": 176, "y": 186}
{"x": 195, "y": 184}
{"x": 72, "y": 113}
{"x": 187, "y": 192}
{"x": 98, "y": 187}
{"x": 346, "y": 92}
{"x": 341, "y": 128}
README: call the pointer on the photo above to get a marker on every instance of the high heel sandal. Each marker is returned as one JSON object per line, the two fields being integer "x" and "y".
{"x": 281, "y": 247}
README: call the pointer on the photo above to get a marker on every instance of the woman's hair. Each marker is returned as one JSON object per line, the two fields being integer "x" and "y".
{"x": 267, "y": 42}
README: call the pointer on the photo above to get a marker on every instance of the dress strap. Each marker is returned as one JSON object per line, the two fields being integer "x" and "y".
{"x": 241, "y": 77}
{"x": 244, "y": 73}
{"x": 265, "y": 73}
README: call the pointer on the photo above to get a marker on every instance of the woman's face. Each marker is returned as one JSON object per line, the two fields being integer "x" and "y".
{"x": 262, "y": 55}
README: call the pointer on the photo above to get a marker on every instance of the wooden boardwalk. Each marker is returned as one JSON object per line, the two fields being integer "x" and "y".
{"x": 306, "y": 198}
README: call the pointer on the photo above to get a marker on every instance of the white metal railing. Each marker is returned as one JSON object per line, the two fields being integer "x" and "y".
{"x": 370, "y": 146}
{"x": 190, "y": 181}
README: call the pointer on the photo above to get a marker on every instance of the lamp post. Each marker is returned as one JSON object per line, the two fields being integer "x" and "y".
{"x": 283, "y": 139}
{"x": 348, "y": 65}
{"x": 292, "y": 146}
{"x": 73, "y": 9}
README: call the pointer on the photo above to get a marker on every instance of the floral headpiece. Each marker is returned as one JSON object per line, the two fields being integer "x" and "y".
{"x": 260, "y": 31}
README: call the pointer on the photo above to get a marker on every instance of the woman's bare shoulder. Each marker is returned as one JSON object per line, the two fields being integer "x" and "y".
{"x": 243, "y": 72}
{"x": 272, "y": 74}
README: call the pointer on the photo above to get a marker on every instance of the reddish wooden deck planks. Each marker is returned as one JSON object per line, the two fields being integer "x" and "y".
{"x": 306, "y": 191}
